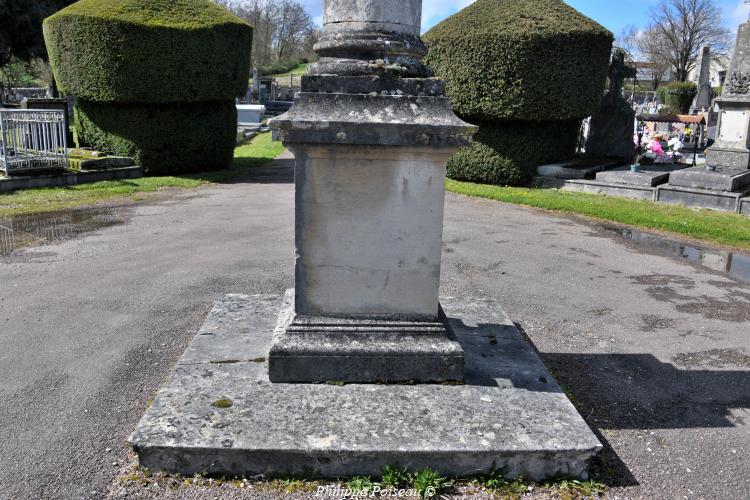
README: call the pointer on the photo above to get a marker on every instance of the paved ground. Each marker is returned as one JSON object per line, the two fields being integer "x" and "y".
{"x": 655, "y": 352}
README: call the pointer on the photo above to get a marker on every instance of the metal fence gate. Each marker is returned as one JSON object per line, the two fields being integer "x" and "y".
{"x": 32, "y": 140}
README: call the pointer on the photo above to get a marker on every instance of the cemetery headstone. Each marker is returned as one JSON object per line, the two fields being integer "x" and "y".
{"x": 702, "y": 101}
{"x": 613, "y": 126}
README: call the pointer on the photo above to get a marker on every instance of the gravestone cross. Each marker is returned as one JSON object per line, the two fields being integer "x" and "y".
{"x": 371, "y": 132}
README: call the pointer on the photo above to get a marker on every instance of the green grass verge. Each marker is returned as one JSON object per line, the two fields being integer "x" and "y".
{"x": 259, "y": 151}
{"x": 299, "y": 70}
{"x": 718, "y": 228}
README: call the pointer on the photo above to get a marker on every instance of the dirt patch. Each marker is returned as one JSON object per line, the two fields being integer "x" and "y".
{"x": 663, "y": 280}
{"x": 600, "y": 313}
{"x": 715, "y": 358}
{"x": 653, "y": 323}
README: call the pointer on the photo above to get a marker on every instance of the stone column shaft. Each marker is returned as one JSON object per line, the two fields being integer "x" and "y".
{"x": 371, "y": 133}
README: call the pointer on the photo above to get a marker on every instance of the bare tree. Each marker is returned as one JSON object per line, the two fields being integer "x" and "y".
{"x": 281, "y": 27}
{"x": 652, "y": 46}
{"x": 293, "y": 24}
{"x": 628, "y": 40}
{"x": 684, "y": 26}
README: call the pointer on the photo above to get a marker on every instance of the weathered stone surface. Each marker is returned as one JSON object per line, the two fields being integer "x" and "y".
{"x": 737, "y": 84}
{"x": 321, "y": 349}
{"x": 363, "y": 37}
{"x": 371, "y": 134}
{"x": 646, "y": 176}
{"x": 369, "y": 231}
{"x": 570, "y": 170}
{"x": 702, "y": 100}
{"x": 9, "y": 184}
{"x": 732, "y": 147}
{"x": 383, "y": 120}
{"x": 722, "y": 179}
{"x": 510, "y": 414}
{"x": 703, "y": 198}
{"x": 730, "y": 157}
{"x": 745, "y": 206}
{"x": 374, "y": 84}
{"x": 595, "y": 187}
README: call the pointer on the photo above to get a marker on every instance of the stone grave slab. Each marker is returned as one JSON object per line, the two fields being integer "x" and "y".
{"x": 647, "y": 176}
{"x": 510, "y": 412}
{"x": 731, "y": 179}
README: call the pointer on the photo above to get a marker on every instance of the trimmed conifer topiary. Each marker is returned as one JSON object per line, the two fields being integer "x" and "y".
{"x": 167, "y": 139}
{"x": 522, "y": 63}
{"x": 154, "y": 79}
{"x": 149, "y": 51}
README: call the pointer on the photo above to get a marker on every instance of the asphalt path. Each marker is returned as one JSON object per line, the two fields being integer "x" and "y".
{"x": 654, "y": 351}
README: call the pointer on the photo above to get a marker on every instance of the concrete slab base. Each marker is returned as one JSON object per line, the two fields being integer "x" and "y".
{"x": 721, "y": 179}
{"x": 220, "y": 414}
{"x": 702, "y": 198}
{"x": 596, "y": 187}
{"x": 647, "y": 176}
{"x": 578, "y": 168}
{"x": 68, "y": 178}
{"x": 745, "y": 206}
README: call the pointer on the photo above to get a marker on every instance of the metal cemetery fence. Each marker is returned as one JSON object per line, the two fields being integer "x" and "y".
{"x": 7, "y": 239}
{"x": 32, "y": 140}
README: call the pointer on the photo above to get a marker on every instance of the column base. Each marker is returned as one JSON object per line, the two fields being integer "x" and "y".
{"x": 313, "y": 349}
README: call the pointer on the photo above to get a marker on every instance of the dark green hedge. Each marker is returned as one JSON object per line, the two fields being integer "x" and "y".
{"x": 155, "y": 51}
{"x": 507, "y": 153}
{"x": 534, "y": 60}
{"x": 680, "y": 95}
{"x": 164, "y": 139}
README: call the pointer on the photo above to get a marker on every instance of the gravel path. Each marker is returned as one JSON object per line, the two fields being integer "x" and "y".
{"x": 655, "y": 352}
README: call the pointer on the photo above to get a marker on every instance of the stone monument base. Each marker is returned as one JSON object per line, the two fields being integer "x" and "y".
{"x": 320, "y": 349}
{"x": 722, "y": 189}
{"x": 220, "y": 414}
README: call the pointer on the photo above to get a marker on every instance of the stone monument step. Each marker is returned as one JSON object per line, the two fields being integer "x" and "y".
{"x": 646, "y": 176}
{"x": 596, "y": 187}
{"x": 581, "y": 168}
{"x": 317, "y": 349}
{"x": 220, "y": 414}
{"x": 722, "y": 179}
{"x": 725, "y": 201}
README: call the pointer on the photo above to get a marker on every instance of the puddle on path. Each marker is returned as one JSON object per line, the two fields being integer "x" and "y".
{"x": 26, "y": 231}
{"x": 735, "y": 265}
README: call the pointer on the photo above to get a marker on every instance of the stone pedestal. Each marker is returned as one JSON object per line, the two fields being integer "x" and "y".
{"x": 702, "y": 101}
{"x": 371, "y": 132}
{"x": 725, "y": 179}
{"x": 732, "y": 147}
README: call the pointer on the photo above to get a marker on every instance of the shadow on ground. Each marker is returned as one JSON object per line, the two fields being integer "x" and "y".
{"x": 251, "y": 170}
{"x": 639, "y": 392}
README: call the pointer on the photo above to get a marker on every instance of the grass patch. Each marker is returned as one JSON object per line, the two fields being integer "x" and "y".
{"x": 299, "y": 70}
{"x": 725, "y": 229}
{"x": 396, "y": 481}
{"x": 259, "y": 151}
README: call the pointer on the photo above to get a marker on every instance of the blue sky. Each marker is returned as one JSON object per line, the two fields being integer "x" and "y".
{"x": 614, "y": 14}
